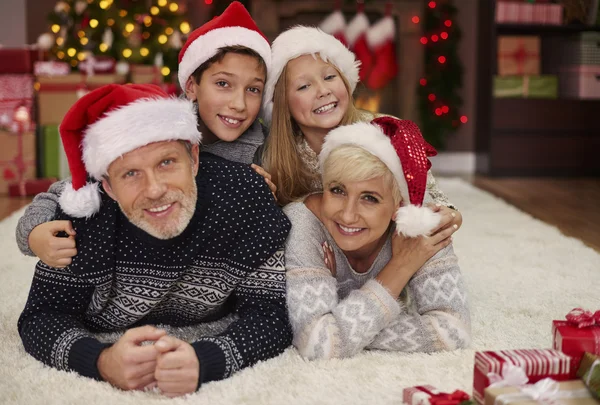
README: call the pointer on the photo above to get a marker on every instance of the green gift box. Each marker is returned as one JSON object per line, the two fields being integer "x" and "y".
{"x": 53, "y": 162}
{"x": 589, "y": 372}
{"x": 544, "y": 86}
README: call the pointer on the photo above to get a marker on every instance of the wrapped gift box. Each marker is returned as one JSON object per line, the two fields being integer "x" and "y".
{"x": 580, "y": 82}
{"x": 56, "y": 94}
{"x": 589, "y": 372}
{"x": 16, "y": 91}
{"x": 142, "y": 74}
{"x": 536, "y": 363}
{"x": 527, "y": 13}
{"x": 575, "y": 341}
{"x": 428, "y": 395}
{"x": 51, "y": 68}
{"x": 53, "y": 160}
{"x": 545, "y": 86}
{"x": 13, "y": 162}
{"x": 518, "y": 55}
{"x": 18, "y": 60}
{"x": 569, "y": 393}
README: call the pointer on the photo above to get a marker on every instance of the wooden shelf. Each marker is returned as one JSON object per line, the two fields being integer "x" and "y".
{"x": 539, "y": 29}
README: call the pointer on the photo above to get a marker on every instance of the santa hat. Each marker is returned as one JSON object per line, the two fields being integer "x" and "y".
{"x": 234, "y": 27}
{"x": 401, "y": 147}
{"x": 301, "y": 40}
{"x": 109, "y": 122}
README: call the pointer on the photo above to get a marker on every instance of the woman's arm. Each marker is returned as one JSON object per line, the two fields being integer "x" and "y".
{"x": 441, "y": 318}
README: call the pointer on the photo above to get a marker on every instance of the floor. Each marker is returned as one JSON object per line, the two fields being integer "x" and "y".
{"x": 572, "y": 205}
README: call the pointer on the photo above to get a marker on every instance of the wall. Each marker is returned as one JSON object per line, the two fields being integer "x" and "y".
{"x": 12, "y": 23}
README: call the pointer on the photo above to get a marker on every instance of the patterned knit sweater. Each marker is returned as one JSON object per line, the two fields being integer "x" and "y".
{"x": 338, "y": 317}
{"x": 228, "y": 260}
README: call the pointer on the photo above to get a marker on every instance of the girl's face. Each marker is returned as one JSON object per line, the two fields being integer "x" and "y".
{"x": 316, "y": 94}
{"x": 357, "y": 214}
{"x": 229, "y": 97}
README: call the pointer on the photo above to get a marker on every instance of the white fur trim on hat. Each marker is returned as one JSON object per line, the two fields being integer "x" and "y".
{"x": 334, "y": 23}
{"x": 382, "y": 31}
{"x": 207, "y": 45}
{"x": 135, "y": 125}
{"x": 301, "y": 40}
{"x": 80, "y": 203}
{"x": 411, "y": 220}
{"x": 356, "y": 27}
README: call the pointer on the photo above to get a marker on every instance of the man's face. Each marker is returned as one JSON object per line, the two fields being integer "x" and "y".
{"x": 155, "y": 187}
{"x": 229, "y": 97}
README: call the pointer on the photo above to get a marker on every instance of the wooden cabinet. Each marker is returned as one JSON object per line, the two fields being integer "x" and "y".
{"x": 525, "y": 137}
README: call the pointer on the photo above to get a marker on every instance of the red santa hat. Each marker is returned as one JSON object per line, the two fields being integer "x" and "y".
{"x": 401, "y": 147}
{"x": 109, "y": 122}
{"x": 301, "y": 40}
{"x": 234, "y": 27}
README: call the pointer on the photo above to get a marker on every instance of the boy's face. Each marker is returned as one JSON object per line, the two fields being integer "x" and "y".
{"x": 229, "y": 96}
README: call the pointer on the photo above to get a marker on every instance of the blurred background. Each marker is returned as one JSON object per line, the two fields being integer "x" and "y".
{"x": 508, "y": 91}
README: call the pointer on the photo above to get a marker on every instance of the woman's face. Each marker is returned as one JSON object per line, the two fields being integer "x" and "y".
{"x": 316, "y": 94}
{"x": 358, "y": 214}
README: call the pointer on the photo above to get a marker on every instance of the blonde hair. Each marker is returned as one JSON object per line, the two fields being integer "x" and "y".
{"x": 351, "y": 163}
{"x": 281, "y": 157}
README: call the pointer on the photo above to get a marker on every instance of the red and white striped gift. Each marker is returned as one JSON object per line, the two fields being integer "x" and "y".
{"x": 537, "y": 364}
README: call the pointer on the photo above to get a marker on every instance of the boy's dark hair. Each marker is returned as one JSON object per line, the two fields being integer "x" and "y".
{"x": 218, "y": 57}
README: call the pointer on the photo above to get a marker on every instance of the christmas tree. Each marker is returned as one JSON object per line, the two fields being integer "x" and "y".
{"x": 439, "y": 101}
{"x": 135, "y": 31}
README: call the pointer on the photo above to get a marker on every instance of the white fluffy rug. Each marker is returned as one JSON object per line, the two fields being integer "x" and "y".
{"x": 520, "y": 272}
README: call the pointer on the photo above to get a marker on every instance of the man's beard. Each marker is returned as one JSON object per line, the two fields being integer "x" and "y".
{"x": 175, "y": 226}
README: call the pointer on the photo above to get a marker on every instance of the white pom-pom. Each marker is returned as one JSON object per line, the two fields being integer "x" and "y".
{"x": 82, "y": 203}
{"x": 45, "y": 41}
{"x": 122, "y": 68}
{"x": 413, "y": 221}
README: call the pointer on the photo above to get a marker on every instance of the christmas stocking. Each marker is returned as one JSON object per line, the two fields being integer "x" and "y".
{"x": 380, "y": 39}
{"x": 335, "y": 24}
{"x": 356, "y": 35}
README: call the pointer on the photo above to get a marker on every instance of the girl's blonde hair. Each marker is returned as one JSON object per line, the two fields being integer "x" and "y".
{"x": 351, "y": 163}
{"x": 281, "y": 157}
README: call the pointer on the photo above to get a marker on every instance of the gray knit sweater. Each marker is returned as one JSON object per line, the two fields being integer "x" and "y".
{"x": 338, "y": 317}
{"x": 245, "y": 149}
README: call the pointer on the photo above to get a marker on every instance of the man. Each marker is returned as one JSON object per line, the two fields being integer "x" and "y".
{"x": 170, "y": 241}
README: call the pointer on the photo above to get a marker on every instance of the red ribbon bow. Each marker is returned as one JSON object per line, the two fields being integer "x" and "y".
{"x": 443, "y": 398}
{"x": 582, "y": 318}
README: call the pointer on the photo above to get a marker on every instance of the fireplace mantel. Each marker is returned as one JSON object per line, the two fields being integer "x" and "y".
{"x": 274, "y": 16}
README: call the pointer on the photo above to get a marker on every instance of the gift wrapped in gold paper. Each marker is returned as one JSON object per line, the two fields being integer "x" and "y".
{"x": 572, "y": 392}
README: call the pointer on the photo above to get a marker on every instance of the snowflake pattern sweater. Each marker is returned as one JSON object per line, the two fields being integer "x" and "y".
{"x": 339, "y": 316}
{"x": 228, "y": 260}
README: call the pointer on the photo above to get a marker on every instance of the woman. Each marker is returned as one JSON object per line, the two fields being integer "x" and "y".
{"x": 309, "y": 92}
{"x": 361, "y": 271}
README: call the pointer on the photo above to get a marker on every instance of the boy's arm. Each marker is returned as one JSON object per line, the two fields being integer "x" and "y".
{"x": 41, "y": 210}
{"x": 262, "y": 330}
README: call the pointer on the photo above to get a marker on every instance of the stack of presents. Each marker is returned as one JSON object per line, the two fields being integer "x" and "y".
{"x": 559, "y": 66}
{"x": 567, "y": 374}
{"x": 35, "y": 94}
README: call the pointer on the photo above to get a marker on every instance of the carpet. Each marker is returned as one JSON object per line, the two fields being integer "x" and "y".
{"x": 520, "y": 273}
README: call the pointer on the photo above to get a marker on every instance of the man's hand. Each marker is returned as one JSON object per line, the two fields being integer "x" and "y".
{"x": 52, "y": 250}
{"x": 177, "y": 368}
{"x": 129, "y": 365}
